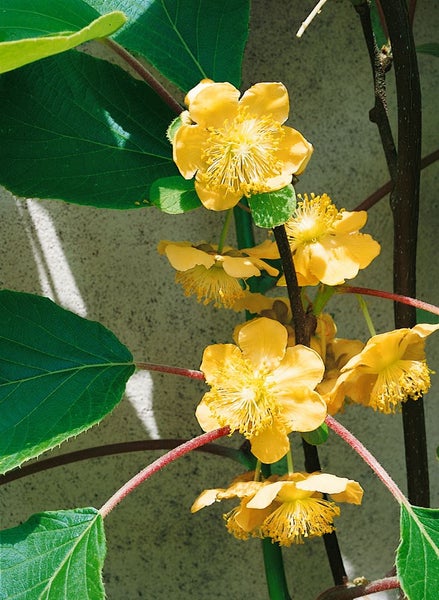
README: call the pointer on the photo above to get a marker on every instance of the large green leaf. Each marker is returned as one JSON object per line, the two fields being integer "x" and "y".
{"x": 59, "y": 375}
{"x": 30, "y": 32}
{"x": 186, "y": 40}
{"x": 417, "y": 559}
{"x": 54, "y": 556}
{"x": 77, "y": 128}
{"x": 174, "y": 195}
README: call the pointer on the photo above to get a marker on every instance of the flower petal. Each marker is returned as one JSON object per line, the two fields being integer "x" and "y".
{"x": 294, "y": 151}
{"x": 302, "y": 409}
{"x": 271, "y": 444}
{"x": 300, "y": 366}
{"x": 323, "y": 482}
{"x": 205, "y": 418}
{"x": 218, "y": 360}
{"x": 263, "y": 342}
{"x": 184, "y": 258}
{"x": 213, "y": 103}
{"x": 187, "y": 148}
{"x": 239, "y": 267}
{"x": 353, "y": 493}
{"x": 218, "y": 199}
{"x": 206, "y": 498}
{"x": 267, "y": 98}
{"x": 266, "y": 495}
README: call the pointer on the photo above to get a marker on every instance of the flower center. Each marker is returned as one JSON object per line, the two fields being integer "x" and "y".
{"x": 298, "y": 519}
{"x": 314, "y": 218}
{"x": 403, "y": 380}
{"x": 245, "y": 401}
{"x": 210, "y": 285}
{"x": 241, "y": 155}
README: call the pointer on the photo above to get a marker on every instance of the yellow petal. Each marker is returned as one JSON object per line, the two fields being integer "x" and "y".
{"x": 265, "y": 496}
{"x": 302, "y": 409}
{"x": 271, "y": 444}
{"x": 267, "y": 249}
{"x": 263, "y": 342}
{"x": 323, "y": 482}
{"x": 267, "y": 99}
{"x": 300, "y": 366}
{"x": 425, "y": 329}
{"x": 218, "y": 199}
{"x": 206, "y": 498}
{"x": 184, "y": 258}
{"x": 211, "y": 104}
{"x": 249, "y": 519}
{"x": 294, "y": 151}
{"x": 187, "y": 149}
{"x": 350, "y": 221}
{"x": 205, "y": 418}
{"x": 353, "y": 493}
{"x": 218, "y": 359}
{"x": 190, "y": 96}
{"x": 239, "y": 267}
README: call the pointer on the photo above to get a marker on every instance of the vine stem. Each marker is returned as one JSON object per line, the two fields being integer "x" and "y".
{"x": 143, "y": 72}
{"x": 368, "y": 458}
{"x": 191, "y": 373}
{"x": 158, "y": 464}
{"x": 347, "y": 289}
{"x": 357, "y": 591}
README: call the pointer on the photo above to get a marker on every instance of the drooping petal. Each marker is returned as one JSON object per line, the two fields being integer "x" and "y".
{"x": 188, "y": 147}
{"x": 294, "y": 151}
{"x": 184, "y": 258}
{"x": 212, "y": 104}
{"x": 206, "y": 498}
{"x": 265, "y": 496}
{"x": 350, "y": 221}
{"x": 267, "y": 99}
{"x": 323, "y": 482}
{"x": 267, "y": 249}
{"x": 263, "y": 342}
{"x": 352, "y": 494}
{"x": 240, "y": 267}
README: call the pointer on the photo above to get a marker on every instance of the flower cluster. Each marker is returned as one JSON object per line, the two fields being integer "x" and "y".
{"x": 286, "y": 509}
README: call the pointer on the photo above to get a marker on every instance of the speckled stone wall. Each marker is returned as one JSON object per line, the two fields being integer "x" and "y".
{"x": 103, "y": 264}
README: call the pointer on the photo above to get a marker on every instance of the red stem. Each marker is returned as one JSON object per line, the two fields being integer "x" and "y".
{"x": 347, "y": 289}
{"x": 342, "y": 592}
{"x": 368, "y": 458}
{"x": 158, "y": 464}
{"x": 193, "y": 374}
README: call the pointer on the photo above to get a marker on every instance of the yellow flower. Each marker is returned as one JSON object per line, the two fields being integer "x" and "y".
{"x": 326, "y": 244}
{"x": 302, "y": 511}
{"x": 215, "y": 276}
{"x": 237, "y": 147}
{"x": 240, "y": 521}
{"x": 262, "y": 388}
{"x": 388, "y": 371}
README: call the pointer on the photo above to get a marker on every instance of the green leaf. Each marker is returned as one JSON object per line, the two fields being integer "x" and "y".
{"x": 54, "y": 556}
{"x": 432, "y": 49}
{"x": 186, "y": 40}
{"x": 417, "y": 558}
{"x": 174, "y": 195}
{"x": 59, "y": 375}
{"x": 273, "y": 208}
{"x": 29, "y": 33}
{"x": 77, "y": 128}
{"x": 316, "y": 437}
{"x": 424, "y": 316}
{"x": 377, "y": 26}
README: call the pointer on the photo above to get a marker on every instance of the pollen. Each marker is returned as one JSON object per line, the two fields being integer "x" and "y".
{"x": 300, "y": 518}
{"x": 210, "y": 285}
{"x": 313, "y": 219}
{"x": 242, "y": 155}
{"x": 247, "y": 404}
{"x": 403, "y": 380}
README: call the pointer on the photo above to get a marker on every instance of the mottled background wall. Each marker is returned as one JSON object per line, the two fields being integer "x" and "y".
{"x": 104, "y": 265}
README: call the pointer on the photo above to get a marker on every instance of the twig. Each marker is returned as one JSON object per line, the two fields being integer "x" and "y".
{"x": 343, "y": 592}
{"x": 315, "y": 11}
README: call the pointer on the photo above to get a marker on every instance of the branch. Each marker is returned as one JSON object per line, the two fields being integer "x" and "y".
{"x": 343, "y": 592}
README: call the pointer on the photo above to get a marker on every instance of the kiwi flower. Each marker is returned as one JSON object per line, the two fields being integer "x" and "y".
{"x": 326, "y": 244}
{"x": 286, "y": 509}
{"x": 214, "y": 276}
{"x": 237, "y": 147}
{"x": 388, "y": 371}
{"x": 262, "y": 388}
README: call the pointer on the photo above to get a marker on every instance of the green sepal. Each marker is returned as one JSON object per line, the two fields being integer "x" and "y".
{"x": 174, "y": 195}
{"x": 316, "y": 437}
{"x": 273, "y": 208}
{"x": 173, "y": 128}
